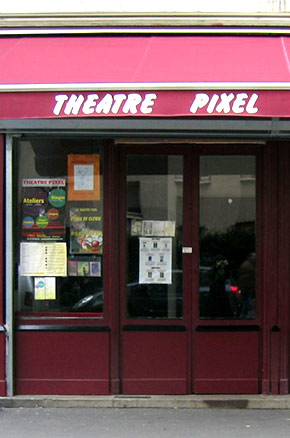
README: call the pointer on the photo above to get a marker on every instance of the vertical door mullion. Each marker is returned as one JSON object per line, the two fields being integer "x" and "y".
{"x": 194, "y": 223}
{"x": 9, "y": 269}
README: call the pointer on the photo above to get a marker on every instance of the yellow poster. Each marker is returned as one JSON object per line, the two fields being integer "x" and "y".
{"x": 44, "y": 288}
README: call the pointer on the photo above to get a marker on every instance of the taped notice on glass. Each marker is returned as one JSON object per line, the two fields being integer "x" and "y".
{"x": 44, "y": 288}
{"x": 155, "y": 260}
{"x": 158, "y": 228}
{"x": 43, "y": 259}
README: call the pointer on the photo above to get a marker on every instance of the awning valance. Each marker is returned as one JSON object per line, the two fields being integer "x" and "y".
{"x": 93, "y": 76}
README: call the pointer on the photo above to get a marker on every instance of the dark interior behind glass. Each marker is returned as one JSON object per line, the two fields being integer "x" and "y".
{"x": 82, "y": 289}
{"x": 227, "y": 237}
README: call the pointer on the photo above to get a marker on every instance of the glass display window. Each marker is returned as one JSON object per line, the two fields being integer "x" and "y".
{"x": 59, "y": 242}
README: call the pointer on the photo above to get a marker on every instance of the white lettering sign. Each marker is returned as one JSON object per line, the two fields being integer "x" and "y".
{"x": 225, "y": 103}
{"x": 132, "y": 103}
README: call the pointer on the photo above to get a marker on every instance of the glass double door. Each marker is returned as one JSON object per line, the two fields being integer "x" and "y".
{"x": 189, "y": 303}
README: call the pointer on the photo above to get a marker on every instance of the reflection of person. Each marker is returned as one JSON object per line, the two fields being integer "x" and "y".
{"x": 219, "y": 305}
{"x": 247, "y": 283}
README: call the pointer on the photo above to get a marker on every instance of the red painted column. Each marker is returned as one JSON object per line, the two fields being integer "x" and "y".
{"x": 2, "y": 333}
{"x": 111, "y": 198}
{"x": 268, "y": 283}
{"x": 283, "y": 310}
{"x": 276, "y": 286}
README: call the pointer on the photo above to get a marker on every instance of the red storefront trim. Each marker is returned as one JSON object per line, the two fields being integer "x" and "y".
{"x": 145, "y": 104}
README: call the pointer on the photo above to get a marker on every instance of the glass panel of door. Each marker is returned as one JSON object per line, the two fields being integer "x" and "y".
{"x": 190, "y": 273}
{"x": 227, "y": 237}
{"x": 154, "y": 198}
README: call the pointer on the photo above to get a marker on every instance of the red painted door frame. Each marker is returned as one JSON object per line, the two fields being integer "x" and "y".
{"x": 226, "y": 353}
{"x": 229, "y": 331}
{"x": 160, "y": 336}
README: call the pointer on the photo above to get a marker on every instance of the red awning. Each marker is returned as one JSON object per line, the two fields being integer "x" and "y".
{"x": 148, "y": 76}
{"x": 144, "y": 59}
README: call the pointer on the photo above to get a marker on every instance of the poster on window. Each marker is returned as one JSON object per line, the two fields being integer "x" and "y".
{"x": 84, "y": 177}
{"x": 44, "y": 288}
{"x": 43, "y": 259}
{"x": 86, "y": 235}
{"x": 84, "y": 266}
{"x": 43, "y": 209}
{"x": 155, "y": 260}
{"x": 158, "y": 228}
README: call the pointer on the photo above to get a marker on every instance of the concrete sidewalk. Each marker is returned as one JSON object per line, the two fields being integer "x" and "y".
{"x": 147, "y": 401}
{"x": 141, "y": 423}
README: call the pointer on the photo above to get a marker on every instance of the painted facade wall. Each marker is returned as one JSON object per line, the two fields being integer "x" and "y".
{"x": 275, "y": 377}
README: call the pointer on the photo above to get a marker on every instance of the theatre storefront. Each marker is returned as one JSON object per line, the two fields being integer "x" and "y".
{"x": 145, "y": 194}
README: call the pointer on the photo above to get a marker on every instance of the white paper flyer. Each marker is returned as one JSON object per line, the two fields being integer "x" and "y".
{"x": 158, "y": 228}
{"x": 43, "y": 259}
{"x": 155, "y": 260}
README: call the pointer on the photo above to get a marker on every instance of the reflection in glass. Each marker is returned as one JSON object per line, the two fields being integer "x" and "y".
{"x": 154, "y": 236}
{"x": 227, "y": 285}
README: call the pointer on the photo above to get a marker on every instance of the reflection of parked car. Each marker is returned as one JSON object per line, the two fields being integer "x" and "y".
{"x": 222, "y": 302}
{"x": 90, "y": 303}
{"x": 143, "y": 300}
{"x": 154, "y": 300}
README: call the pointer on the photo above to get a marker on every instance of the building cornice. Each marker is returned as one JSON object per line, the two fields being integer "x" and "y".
{"x": 144, "y": 22}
